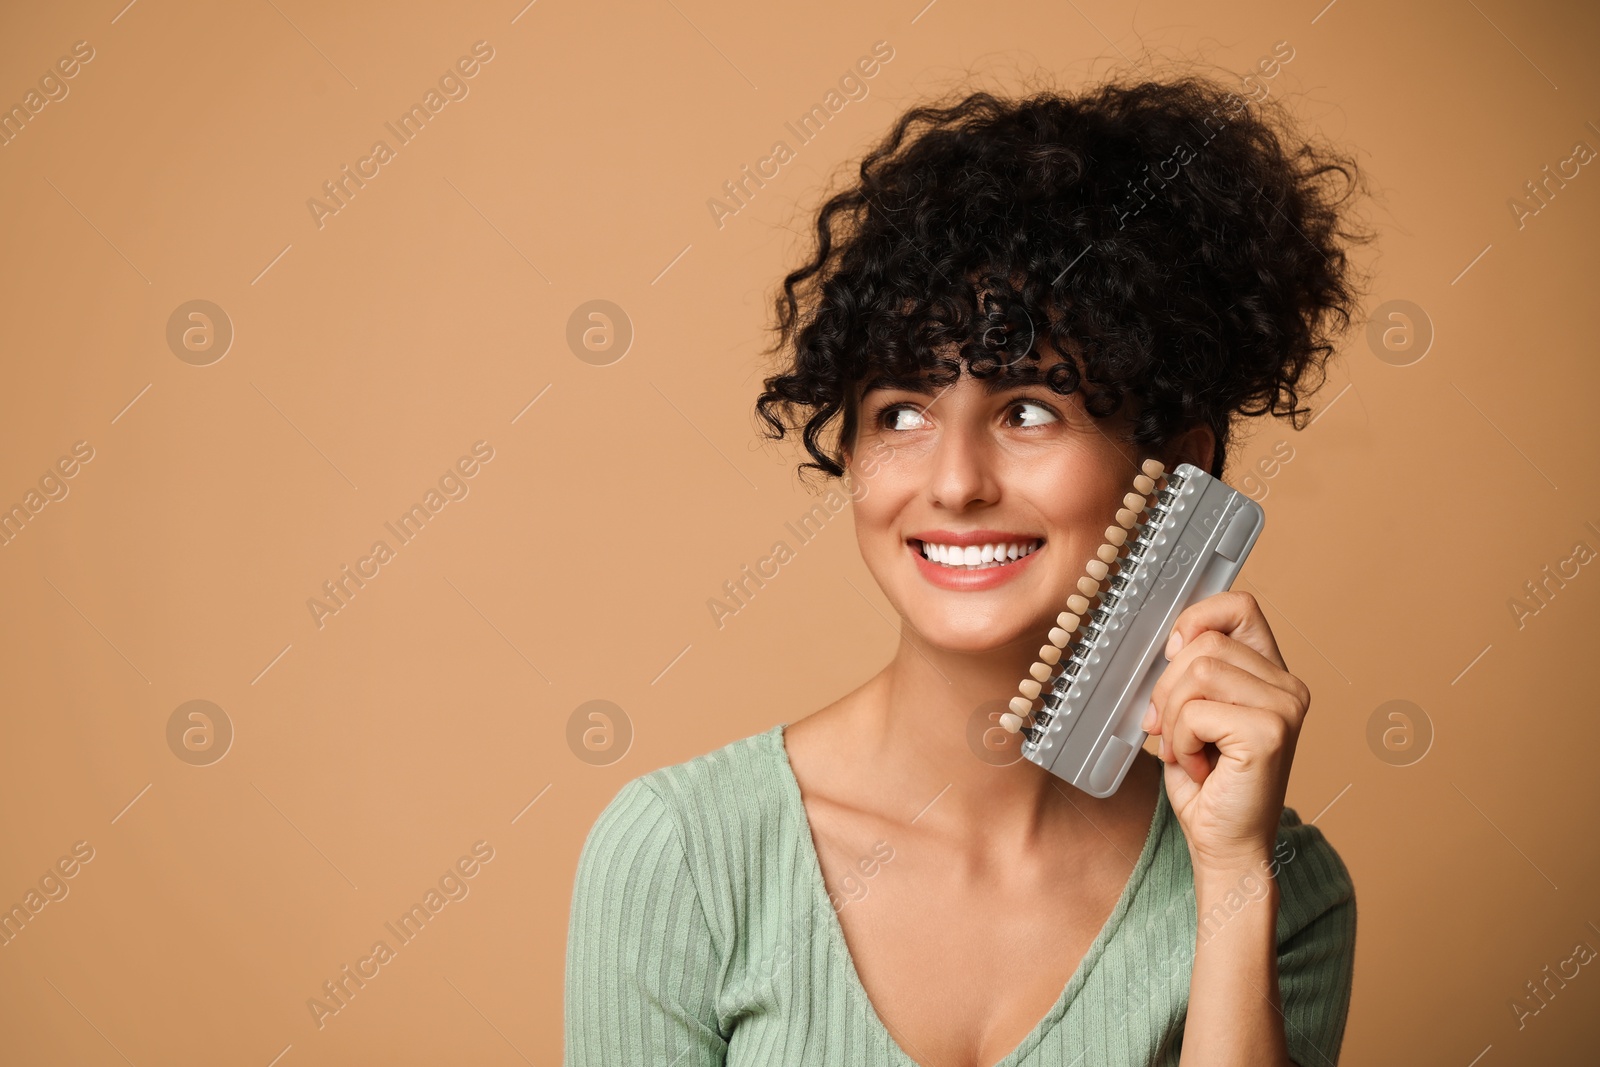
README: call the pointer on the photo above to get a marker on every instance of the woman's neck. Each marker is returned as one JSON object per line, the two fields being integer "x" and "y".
{"x": 928, "y": 723}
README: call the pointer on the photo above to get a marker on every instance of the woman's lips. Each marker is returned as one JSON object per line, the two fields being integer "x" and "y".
{"x": 970, "y": 580}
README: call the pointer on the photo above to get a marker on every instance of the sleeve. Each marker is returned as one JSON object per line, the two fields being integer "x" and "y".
{"x": 1316, "y": 958}
{"x": 641, "y": 969}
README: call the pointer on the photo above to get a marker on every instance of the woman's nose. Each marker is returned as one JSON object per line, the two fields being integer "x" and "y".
{"x": 962, "y": 472}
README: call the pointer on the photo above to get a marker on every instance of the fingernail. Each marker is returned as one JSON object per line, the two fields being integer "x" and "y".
{"x": 1174, "y": 643}
{"x": 1149, "y": 719}
{"x": 1163, "y": 746}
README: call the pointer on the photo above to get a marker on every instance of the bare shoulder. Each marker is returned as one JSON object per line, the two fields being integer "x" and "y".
{"x": 819, "y": 744}
{"x": 838, "y": 785}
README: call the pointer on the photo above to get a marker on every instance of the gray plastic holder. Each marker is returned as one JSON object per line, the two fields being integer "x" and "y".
{"x": 1191, "y": 546}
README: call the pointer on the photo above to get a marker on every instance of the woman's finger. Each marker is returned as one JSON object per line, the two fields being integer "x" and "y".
{"x": 1234, "y": 613}
{"x": 1217, "y": 645}
{"x": 1248, "y": 736}
{"x": 1215, "y": 678}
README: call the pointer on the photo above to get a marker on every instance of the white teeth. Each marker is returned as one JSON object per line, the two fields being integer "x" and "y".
{"x": 978, "y": 557}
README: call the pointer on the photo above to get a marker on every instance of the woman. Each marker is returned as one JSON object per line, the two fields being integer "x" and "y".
{"x": 1015, "y": 305}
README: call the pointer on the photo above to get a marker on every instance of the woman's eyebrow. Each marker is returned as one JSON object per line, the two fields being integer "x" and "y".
{"x": 991, "y": 385}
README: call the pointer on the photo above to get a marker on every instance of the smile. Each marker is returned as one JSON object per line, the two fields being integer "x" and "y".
{"x": 977, "y": 557}
{"x": 972, "y": 561}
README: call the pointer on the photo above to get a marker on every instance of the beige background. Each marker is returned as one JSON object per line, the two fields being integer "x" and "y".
{"x": 372, "y": 352}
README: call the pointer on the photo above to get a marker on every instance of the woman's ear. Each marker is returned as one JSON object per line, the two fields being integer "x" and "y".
{"x": 1195, "y": 445}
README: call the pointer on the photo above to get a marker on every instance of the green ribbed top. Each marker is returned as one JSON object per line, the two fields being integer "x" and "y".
{"x": 701, "y": 933}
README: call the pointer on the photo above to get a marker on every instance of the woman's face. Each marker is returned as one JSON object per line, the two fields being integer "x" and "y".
{"x": 947, "y": 470}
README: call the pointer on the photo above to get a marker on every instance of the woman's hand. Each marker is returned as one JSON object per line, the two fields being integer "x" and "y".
{"x": 1228, "y": 713}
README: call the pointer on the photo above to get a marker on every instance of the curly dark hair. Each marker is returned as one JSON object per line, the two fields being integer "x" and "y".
{"x": 1161, "y": 232}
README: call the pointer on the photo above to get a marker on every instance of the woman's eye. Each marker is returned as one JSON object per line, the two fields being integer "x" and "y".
{"x": 900, "y": 418}
{"x": 1033, "y": 414}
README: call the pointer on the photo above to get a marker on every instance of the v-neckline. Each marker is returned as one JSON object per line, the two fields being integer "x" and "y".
{"x": 819, "y": 888}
